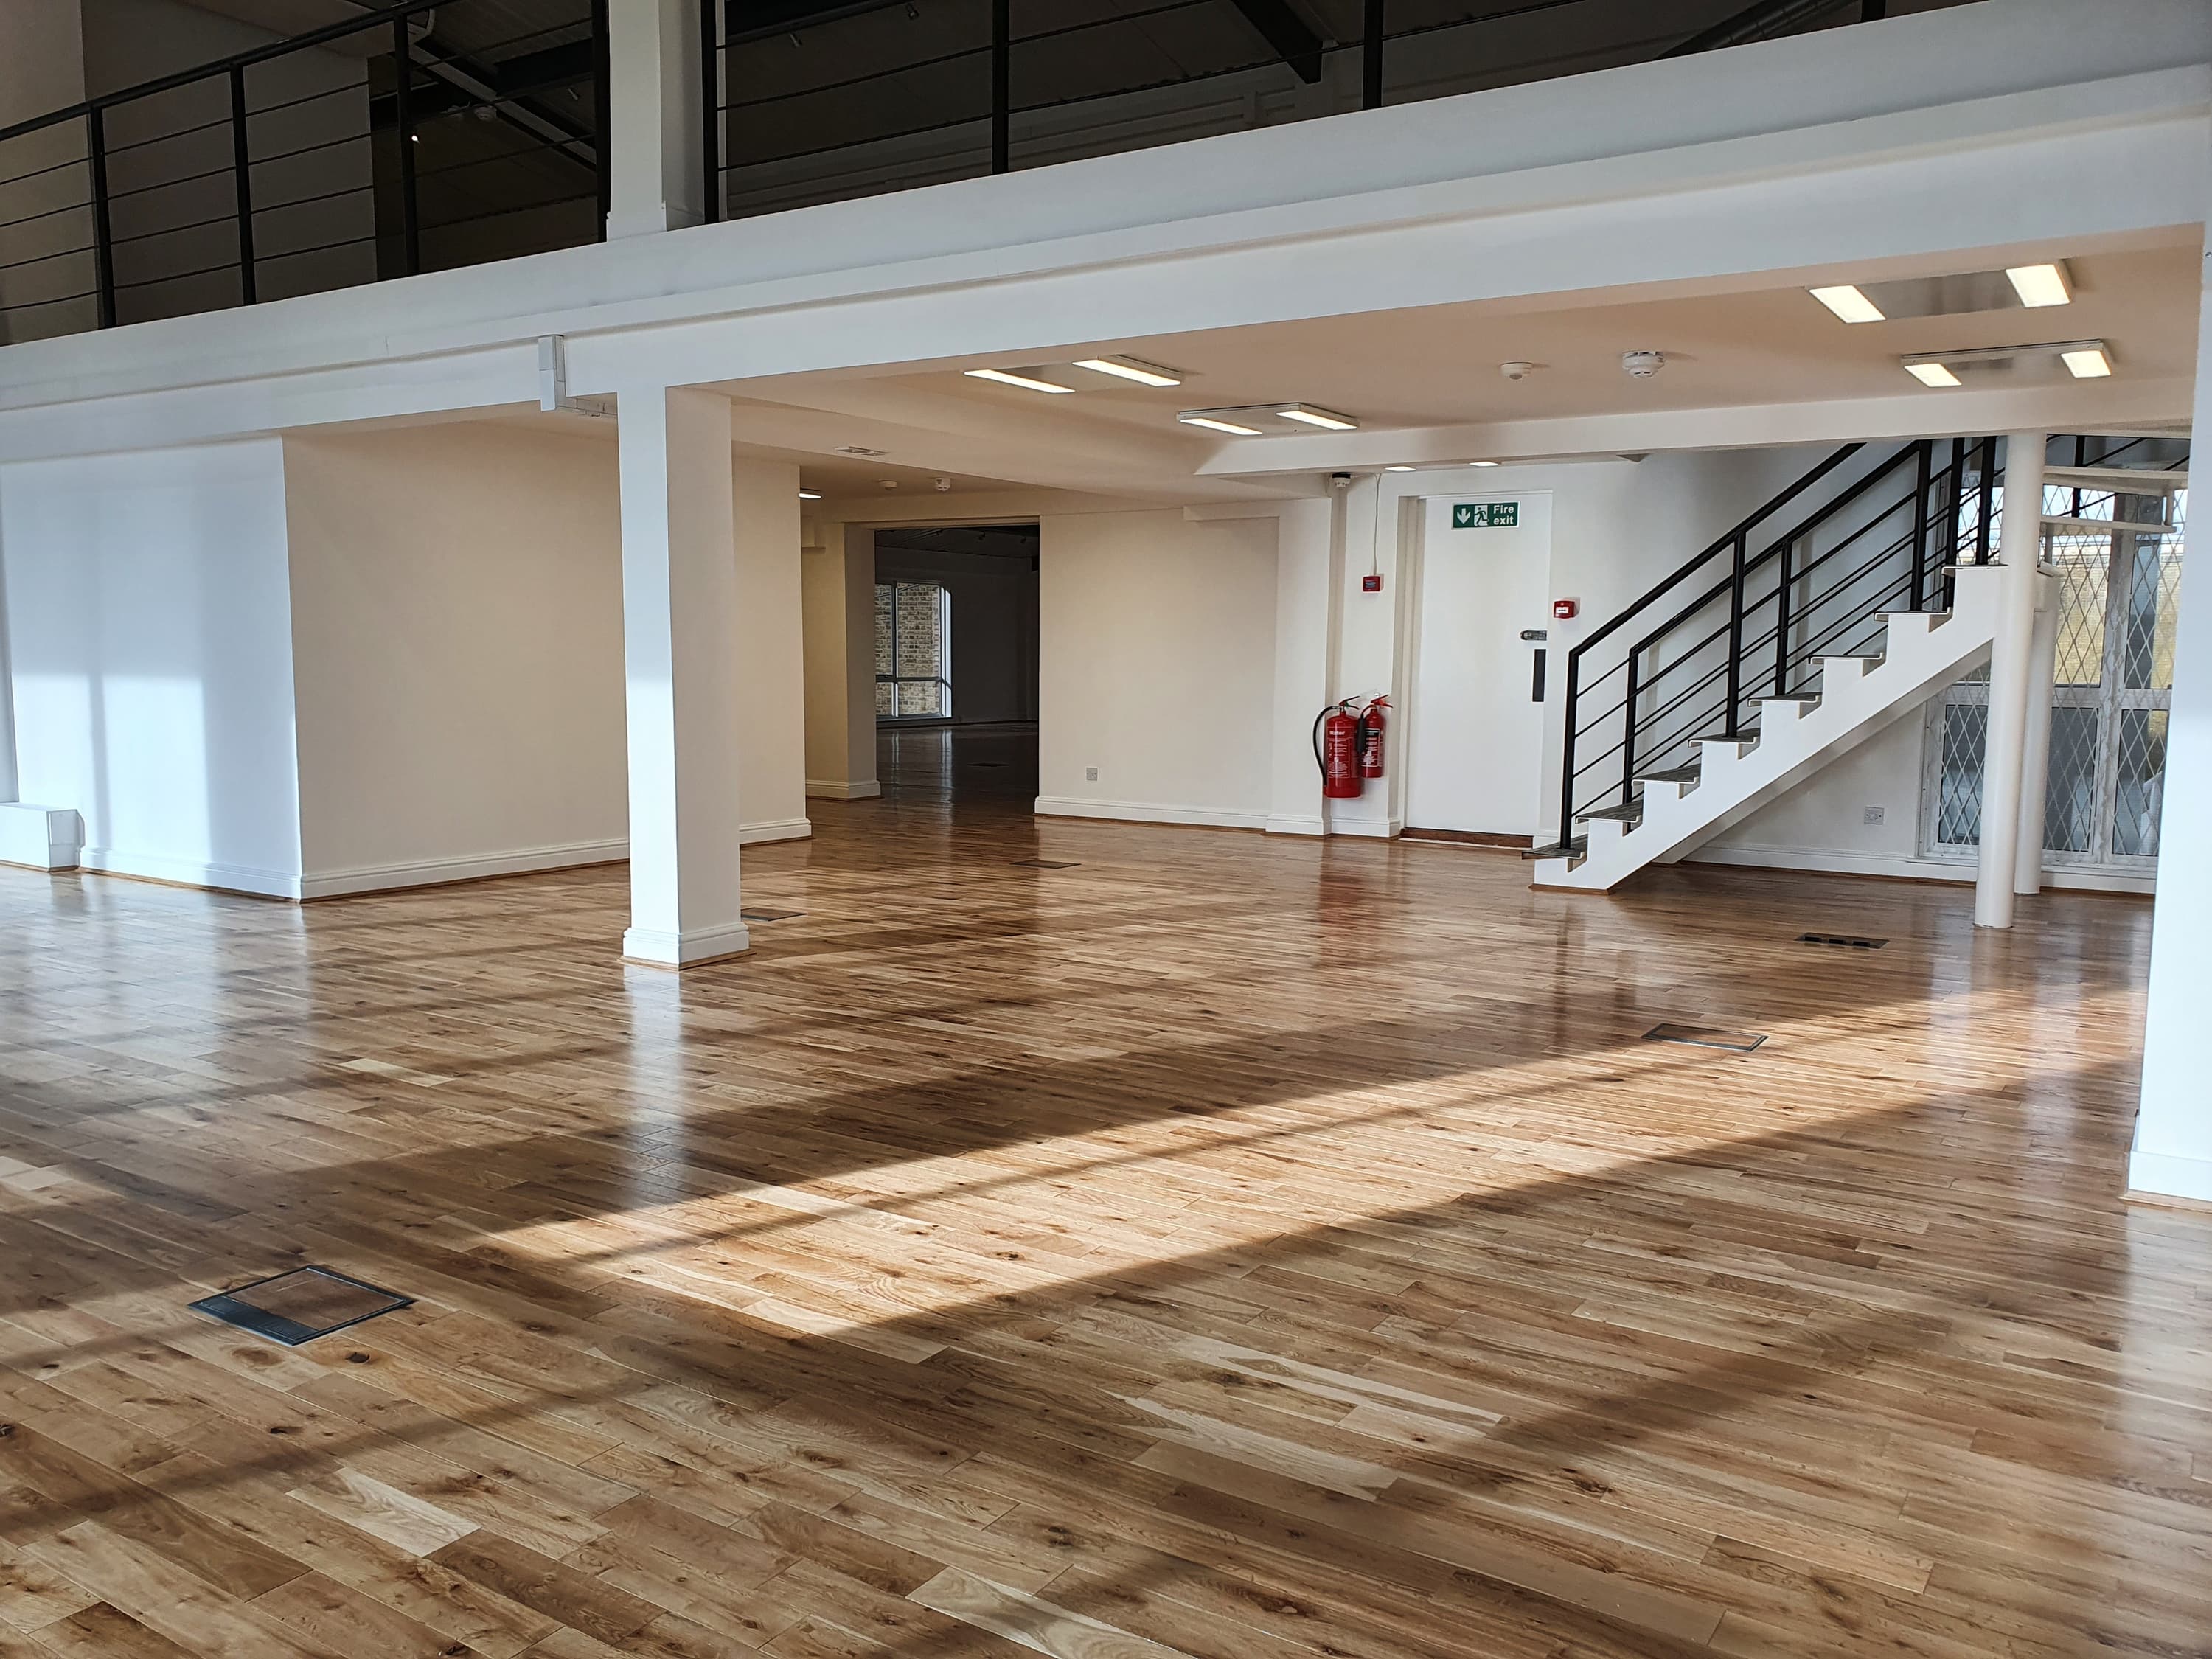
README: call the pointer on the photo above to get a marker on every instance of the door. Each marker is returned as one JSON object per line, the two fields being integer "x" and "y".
{"x": 1475, "y": 709}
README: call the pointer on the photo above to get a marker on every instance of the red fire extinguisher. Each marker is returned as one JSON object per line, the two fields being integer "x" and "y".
{"x": 1336, "y": 752}
{"x": 1370, "y": 737}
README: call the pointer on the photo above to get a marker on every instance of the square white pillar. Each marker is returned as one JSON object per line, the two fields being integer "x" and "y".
{"x": 1303, "y": 559}
{"x": 681, "y": 634}
{"x": 2172, "y": 1156}
{"x": 840, "y": 596}
{"x": 656, "y": 145}
{"x": 771, "y": 650}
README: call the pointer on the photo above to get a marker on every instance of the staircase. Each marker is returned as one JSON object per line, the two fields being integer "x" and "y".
{"x": 1838, "y": 608}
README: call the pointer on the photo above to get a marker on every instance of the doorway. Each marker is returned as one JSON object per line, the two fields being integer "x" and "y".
{"x": 957, "y": 663}
{"x": 1474, "y": 740}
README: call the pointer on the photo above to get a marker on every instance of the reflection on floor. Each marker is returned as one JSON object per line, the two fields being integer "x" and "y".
{"x": 957, "y": 764}
{"x": 1229, "y": 1246}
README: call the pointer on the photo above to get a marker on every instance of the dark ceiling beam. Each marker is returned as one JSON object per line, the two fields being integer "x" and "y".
{"x": 1286, "y": 35}
{"x": 1759, "y": 22}
{"x": 746, "y": 21}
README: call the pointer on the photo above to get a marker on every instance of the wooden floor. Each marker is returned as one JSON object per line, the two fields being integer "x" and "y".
{"x": 1226, "y": 1246}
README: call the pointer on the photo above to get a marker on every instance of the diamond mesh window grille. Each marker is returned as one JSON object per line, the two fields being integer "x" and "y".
{"x": 1965, "y": 729}
{"x": 2069, "y": 814}
{"x": 2117, "y": 598}
{"x": 2153, "y": 613}
{"x": 2141, "y": 785}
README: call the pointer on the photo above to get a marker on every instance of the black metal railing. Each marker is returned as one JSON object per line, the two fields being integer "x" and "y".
{"x": 1809, "y": 574}
{"x": 817, "y": 101}
{"x": 420, "y": 135}
{"x": 415, "y": 137}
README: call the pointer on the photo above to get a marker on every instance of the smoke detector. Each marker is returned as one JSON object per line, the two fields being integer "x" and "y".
{"x": 1642, "y": 365}
{"x": 1516, "y": 370}
{"x": 944, "y": 484}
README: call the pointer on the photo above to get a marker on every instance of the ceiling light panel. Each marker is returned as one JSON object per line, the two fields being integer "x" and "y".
{"x": 1849, "y": 303}
{"x": 1132, "y": 368}
{"x": 1327, "y": 420}
{"x": 1935, "y": 374}
{"x": 1028, "y": 380}
{"x": 2041, "y": 285}
{"x": 2087, "y": 363}
{"x": 1194, "y": 417}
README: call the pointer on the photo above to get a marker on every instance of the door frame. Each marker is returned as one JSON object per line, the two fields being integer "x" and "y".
{"x": 1415, "y": 577}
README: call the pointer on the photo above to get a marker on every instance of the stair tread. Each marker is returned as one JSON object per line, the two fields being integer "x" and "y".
{"x": 1792, "y": 696}
{"x": 1629, "y": 814}
{"x": 1689, "y": 773}
{"x": 1573, "y": 849}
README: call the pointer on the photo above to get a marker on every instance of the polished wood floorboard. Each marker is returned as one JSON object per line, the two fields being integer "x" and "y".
{"x": 1226, "y": 1246}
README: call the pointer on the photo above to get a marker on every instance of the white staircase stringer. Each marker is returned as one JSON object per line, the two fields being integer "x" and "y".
{"x": 1922, "y": 655}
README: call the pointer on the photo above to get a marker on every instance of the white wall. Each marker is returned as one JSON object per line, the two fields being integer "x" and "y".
{"x": 1156, "y": 665}
{"x": 457, "y": 612}
{"x": 151, "y": 646}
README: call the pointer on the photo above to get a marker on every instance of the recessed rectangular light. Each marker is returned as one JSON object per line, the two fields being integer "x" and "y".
{"x": 1307, "y": 415}
{"x": 1214, "y": 425}
{"x": 1131, "y": 368}
{"x": 810, "y": 495}
{"x": 1008, "y": 377}
{"x": 2041, "y": 285}
{"x": 1397, "y": 469}
{"x": 1931, "y": 374}
{"x": 2087, "y": 363}
{"x": 1849, "y": 303}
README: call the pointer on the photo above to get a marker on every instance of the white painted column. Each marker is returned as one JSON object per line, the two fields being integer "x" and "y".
{"x": 656, "y": 141}
{"x": 680, "y": 628}
{"x": 2007, "y": 744}
{"x": 1303, "y": 560}
{"x": 771, "y": 650}
{"x": 840, "y": 603}
{"x": 2035, "y": 754}
{"x": 2173, "y": 1128}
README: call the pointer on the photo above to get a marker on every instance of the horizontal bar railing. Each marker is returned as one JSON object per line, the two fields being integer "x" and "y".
{"x": 1705, "y": 646}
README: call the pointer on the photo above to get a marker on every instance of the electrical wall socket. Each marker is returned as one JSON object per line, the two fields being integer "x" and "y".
{"x": 1090, "y": 775}
{"x": 1875, "y": 814}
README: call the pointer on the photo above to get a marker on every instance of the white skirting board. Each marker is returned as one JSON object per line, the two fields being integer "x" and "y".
{"x": 1140, "y": 812}
{"x": 189, "y": 872}
{"x": 659, "y": 949}
{"x": 2153, "y": 1176}
{"x": 751, "y": 835}
{"x": 837, "y": 789}
{"x": 1817, "y": 860}
{"x": 430, "y": 873}
{"x": 40, "y": 837}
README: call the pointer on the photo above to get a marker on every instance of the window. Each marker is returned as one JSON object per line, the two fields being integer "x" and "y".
{"x": 914, "y": 650}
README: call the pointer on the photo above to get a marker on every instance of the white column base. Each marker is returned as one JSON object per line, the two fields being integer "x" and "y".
{"x": 836, "y": 789}
{"x": 657, "y": 949}
{"x": 2155, "y": 1175}
{"x": 40, "y": 837}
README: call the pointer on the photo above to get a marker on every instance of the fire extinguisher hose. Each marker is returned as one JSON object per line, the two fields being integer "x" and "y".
{"x": 1320, "y": 721}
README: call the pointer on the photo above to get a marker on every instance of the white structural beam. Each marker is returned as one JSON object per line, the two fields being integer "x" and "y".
{"x": 2035, "y": 754}
{"x": 655, "y": 146}
{"x": 681, "y": 628}
{"x": 2173, "y": 1155}
{"x": 2005, "y": 753}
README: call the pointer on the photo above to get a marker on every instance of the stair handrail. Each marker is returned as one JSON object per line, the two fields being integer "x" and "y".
{"x": 1731, "y": 540}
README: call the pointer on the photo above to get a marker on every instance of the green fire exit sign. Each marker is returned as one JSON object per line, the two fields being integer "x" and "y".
{"x": 1486, "y": 515}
